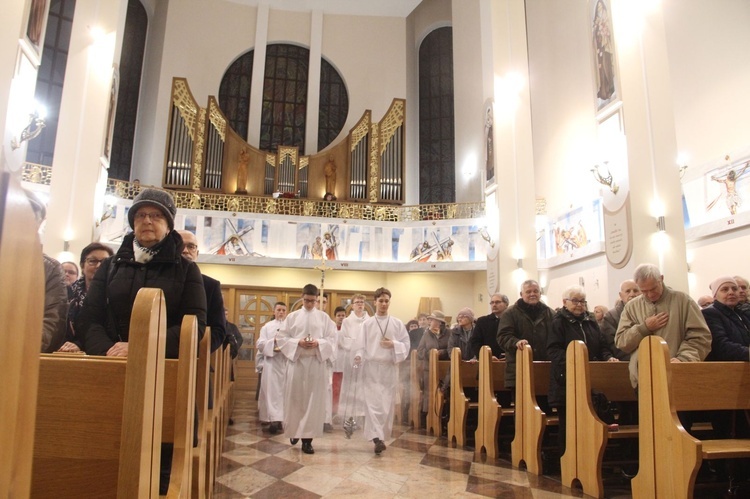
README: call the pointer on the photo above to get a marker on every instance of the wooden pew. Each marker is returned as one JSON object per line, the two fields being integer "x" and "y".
{"x": 213, "y": 415}
{"x": 226, "y": 387}
{"x": 178, "y": 412}
{"x": 21, "y": 311}
{"x": 532, "y": 379}
{"x": 463, "y": 375}
{"x": 669, "y": 457}
{"x": 491, "y": 380}
{"x": 199, "y": 452}
{"x": 98, "y": 430}
{"x": 414, "y": 393}
{"x": 586, "y": 435}
{"x": 438, "y": 370}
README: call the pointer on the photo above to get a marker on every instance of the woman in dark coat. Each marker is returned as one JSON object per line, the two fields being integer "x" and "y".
{"x": 435, "y": 337}
{"x": 572, "y": 322}
{"x": 150, "y": 257}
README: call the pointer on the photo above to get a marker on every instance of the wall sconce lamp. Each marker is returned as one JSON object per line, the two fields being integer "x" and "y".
{"x": 486, "y": 236}
{"x": 661, "y": 224}
{"x": 682, "y": 170}
{"x": 66, "y": 245}
{"x": 31, "y": 131}
{"x": 519, "y": 263}
{"x": 604, "y": 177}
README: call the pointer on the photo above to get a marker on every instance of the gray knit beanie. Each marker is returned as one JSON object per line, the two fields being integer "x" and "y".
{"x": 161, "y": 199}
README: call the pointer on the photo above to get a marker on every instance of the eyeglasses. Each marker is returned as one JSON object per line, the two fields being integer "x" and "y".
{"x": 94, "y": 262}
{"x": 155, "y": 216}
{"x": 70, "y": 271}
{"x": 496, "y": 302}
{"x": 191, "y": 246}
{"x": 576, "y": 301}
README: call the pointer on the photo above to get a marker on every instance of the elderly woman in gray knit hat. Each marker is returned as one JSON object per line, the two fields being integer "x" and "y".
{"x": 461, "y": 334}
{"x": 149, "y": 257}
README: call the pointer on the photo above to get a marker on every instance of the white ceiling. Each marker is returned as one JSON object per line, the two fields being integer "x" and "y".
{"x": 389, "y": 8}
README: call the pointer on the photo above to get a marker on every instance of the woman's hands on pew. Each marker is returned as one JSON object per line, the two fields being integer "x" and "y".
{"x": 521, "y": 344}
{"x": 613, "y": 359}
{"x": 69, "y": 347}
{"x": 119, "y": 349}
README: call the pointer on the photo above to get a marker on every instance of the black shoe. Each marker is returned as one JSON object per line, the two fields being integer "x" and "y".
{"x": 293, "y": 441}
{"x": 307, "y": 448}
{"x": 328, "y": 428}
{"x": 231, "y": 421}
{"x": 273, "y": 429}
{"x": 379, "y": 446}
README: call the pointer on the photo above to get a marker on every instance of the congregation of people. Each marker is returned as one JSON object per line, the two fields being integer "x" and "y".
{"x": 348, "y": 369}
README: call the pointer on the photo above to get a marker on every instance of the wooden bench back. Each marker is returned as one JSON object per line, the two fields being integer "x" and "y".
{"x": 532, "y": 379}
{"x": 463, "y": 375}
{"x": 179, "y": 407}
{"x": 201, "y": 401}
{"x": 669, "y": 457}
{"x": 586, "y": 435}
{"x": 415, "y": 392}
{"x": 491, "y": 375}
{"x": 437, "y": 371}
{"x": 98, "y": 431}
{"x": 21, "y": 310}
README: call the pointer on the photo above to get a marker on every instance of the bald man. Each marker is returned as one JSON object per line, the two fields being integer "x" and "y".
{"x": 215, "y": 317}
{"x": 628, "y": 290}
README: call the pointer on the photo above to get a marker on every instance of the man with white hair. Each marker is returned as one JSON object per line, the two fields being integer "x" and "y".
{"x": 664, "y": 312}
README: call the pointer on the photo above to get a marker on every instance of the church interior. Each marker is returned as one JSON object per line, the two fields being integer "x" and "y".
{"x": 447, "y": 150}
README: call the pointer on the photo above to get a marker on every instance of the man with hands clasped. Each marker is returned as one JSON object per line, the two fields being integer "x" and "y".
{"x": 307, "y": 338}
{"x": 381, "y": 345}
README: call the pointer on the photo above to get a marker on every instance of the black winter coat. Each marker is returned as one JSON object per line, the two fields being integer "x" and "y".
{"x": 517, "y": 324}
{"x": 105, "y": 318}
{"x": 566, "y": 328}
{"x": 485, "y": 333}
{"x": 730, "y": 336}
{"x": 215, "y": 316}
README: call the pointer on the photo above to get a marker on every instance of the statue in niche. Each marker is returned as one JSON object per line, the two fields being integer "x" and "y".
{"x": 488, "y": 127}
{"x": 604, "y": 48}
{"x": 330, "y": 173}
{"x": 242, "y": 164}
{"x": 730, "y": 185}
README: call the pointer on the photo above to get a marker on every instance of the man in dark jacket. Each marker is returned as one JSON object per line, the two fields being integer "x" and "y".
{"x": 485, "y": 330}
{"x": 215, "y": 316}
{"x": 526, "y": 322}
{"x": 150, "y": 257}
{"x": 628, "y": 290}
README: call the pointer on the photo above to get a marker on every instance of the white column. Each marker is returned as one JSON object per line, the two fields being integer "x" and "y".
{"x": 514, "y": 197}
{"x": 259, "y": 71}
{"x": 652, "y": 175}
{"x": 313, "y": 83}
{"x": 78, "y": 174}
{"x": 468, "y": 100}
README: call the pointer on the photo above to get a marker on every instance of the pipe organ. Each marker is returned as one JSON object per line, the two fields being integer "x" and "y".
{"x": 204, "y": 154}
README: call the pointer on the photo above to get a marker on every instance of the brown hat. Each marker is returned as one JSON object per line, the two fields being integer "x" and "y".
{"x": 438, "y": 315}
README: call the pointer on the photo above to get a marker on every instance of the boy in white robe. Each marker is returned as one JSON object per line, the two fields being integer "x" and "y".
{"x": 350, "y": 399}
{"x": 382, "y": 344}
{"x": 307, "y": 340}
{"x": 271, "y": 397}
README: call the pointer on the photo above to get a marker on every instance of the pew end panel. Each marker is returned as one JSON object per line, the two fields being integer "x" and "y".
{"x": 532, "y": 379}
{"x": 201, "y": 401}
{"x": 669, "y": 456}
{"x": 463, "y": 374}
{"x": 438, "y": 369}
{"x": 490, "y": 412}
{"x": 21, "y": 265}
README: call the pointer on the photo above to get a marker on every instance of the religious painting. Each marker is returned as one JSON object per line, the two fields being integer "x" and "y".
{"x": 570, "y": 232}
{"x": 720, "y": 192}
{"x": 489, "y": 141}
{"x": 603, "y": 45}
{"x": 37, "y": 20}
{"x": 111, "y": 113}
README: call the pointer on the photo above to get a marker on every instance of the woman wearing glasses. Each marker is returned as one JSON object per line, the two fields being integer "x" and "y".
{"x": 149, "y": 257}
{"x": 92, "y": 257}
{"x": 571, "y": 322}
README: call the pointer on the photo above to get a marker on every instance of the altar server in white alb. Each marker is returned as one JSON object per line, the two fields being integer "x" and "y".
{"x": 307, "y": 339}
{"x": 271, "y": 397}
{"x": 350, "y": 400}
{"x": 382, "y": 344}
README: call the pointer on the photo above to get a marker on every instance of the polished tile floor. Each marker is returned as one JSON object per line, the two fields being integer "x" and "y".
{"x": 257, "y": 464}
